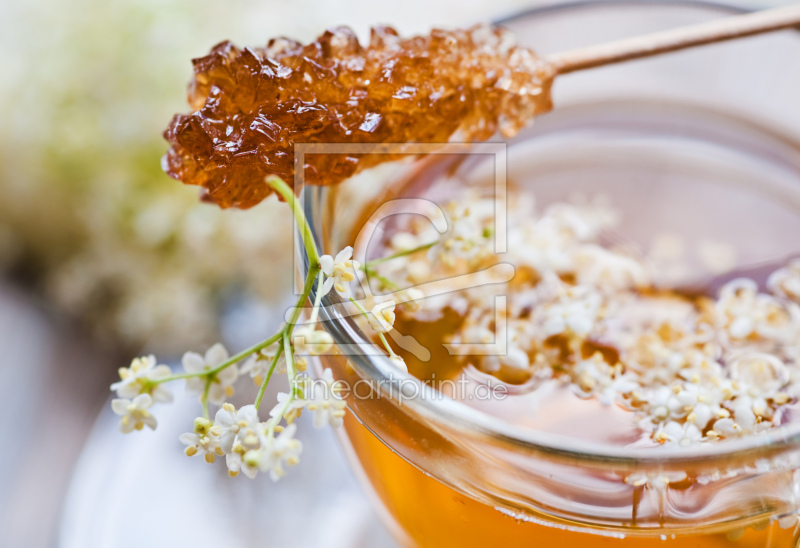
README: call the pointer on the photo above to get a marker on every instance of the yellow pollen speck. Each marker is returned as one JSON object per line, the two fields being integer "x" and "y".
{"x": 228, "y": 391}
{"x": 219, "y": 451}
{"x": 233, "y": 474}
{"x": 229, "y": 407}
{"x": 210, "y": 458}
{"x": 258, "y": 379}
{"x": 191, "y": 451}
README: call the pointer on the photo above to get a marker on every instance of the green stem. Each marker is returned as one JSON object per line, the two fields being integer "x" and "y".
{"x": 286, "y": 331}
{"x": 291, "y": 373}
{"x": 370, "y": 273}
{"x": 205, "y": 395}
{"x": 298, "y": 308}
{"x": 305, "y": 231}
{"x": 370, "y": 264}
{"x": 268, "y": 376}
{"x": 386, "y": 344}
{"x": 317, "y": 300}
{"x": 227, "y": 363}
{"x": 361, "y": 308}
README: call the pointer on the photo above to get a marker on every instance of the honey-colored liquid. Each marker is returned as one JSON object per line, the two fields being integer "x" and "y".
{"x": 433, "y": 515}
{"x": 428, "y": 513}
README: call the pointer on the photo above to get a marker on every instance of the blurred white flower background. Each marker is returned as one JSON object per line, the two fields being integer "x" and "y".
{"x": 86, "y": 215}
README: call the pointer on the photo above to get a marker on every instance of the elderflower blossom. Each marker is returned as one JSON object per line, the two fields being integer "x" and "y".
{"x": 324, "y": 401}
{"x": 745, "y": 313}
{"x": 137, "y": 379}
{"x": 607, "y": 270}
{"x": 230, "y": 423}
{"x": 381, "y": 317}
{"x": 785, "y": 282}
{"x": 257, "y": 365}
{"x": 135, "y": 414}
{"x": 320, "y": 396}
{"x": 410, "y": 300}
{"x": 576, "y": 313}
{"x": 674, "y": 433}
{"x": 595, "y": 377}
{"x": 288, "y": 407}
{"x": 468, "y": 235}
{"x": 236, "y": 462}
{"x": 514, "y": 358}
{"x": 278, "y": 452}
{"x": 691, "y": 369}
{"x": 308, "y": 341}
{"x": 202, "y": 441}
{"x": 339, "y": 271}
{"x": 221, "y": 386}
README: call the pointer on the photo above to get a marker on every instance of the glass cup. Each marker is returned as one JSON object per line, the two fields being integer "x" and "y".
{"x": 702, "y": 144}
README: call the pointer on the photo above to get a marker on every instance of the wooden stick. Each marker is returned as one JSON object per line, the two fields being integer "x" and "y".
{"x": 672, "y": 40}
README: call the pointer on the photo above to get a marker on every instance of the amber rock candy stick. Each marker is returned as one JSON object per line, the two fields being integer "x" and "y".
{"x": 252, "y": 105}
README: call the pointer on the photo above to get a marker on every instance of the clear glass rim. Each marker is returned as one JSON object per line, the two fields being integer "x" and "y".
{"x": 459, "y": 417}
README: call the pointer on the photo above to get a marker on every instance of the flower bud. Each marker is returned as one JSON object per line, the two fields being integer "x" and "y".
{"x": 202, "y": 426}
{"x": 251, "y": 458}
{"x": 399, "y": 362}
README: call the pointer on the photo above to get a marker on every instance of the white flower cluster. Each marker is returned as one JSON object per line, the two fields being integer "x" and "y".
{"x": 321, "y": 397}
{"x": 221, "y": 387}
{"x": 249, "y": 445}
{"x": 136, "y": 393}
{"x": 468, "y": 236}
{"x": 691, "y": 369}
